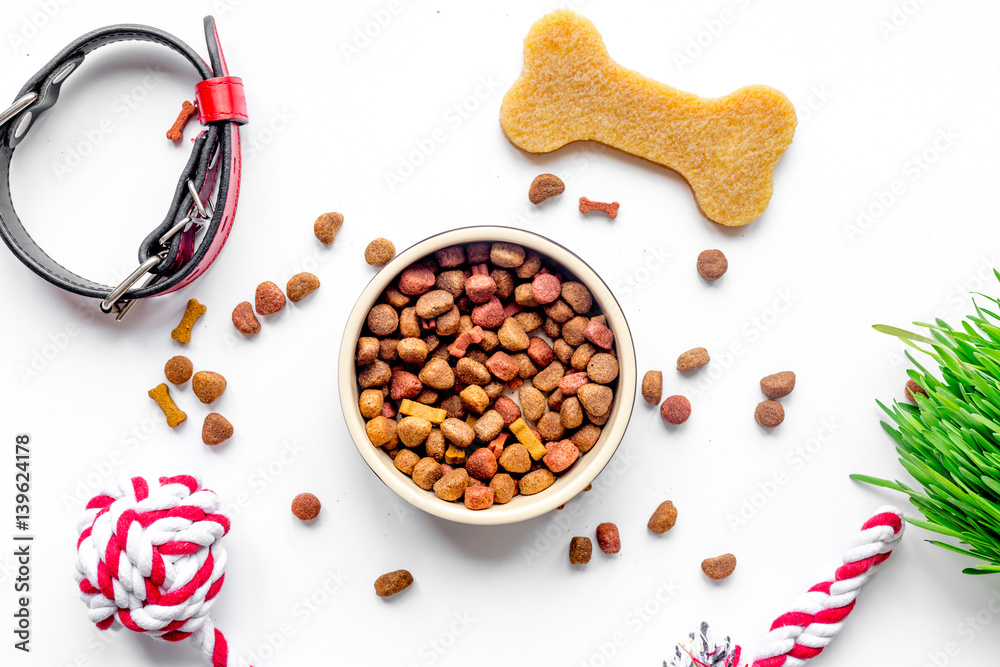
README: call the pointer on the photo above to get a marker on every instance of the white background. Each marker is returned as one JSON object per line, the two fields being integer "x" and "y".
{"x": 328, "y": 123}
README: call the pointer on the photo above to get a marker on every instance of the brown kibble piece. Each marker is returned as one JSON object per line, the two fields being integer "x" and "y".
{"x": 536, "y": 481}
{"x": 507, "y": 255}
{"x": 244, "y": 319}
{"x": 382, "y": 320}
{"x": 602, "y": 368}
{"x": 586, "y": 437}
{"x": 300, "y": 285}
{"x": 910, "y": 389}
{"x": 515, "y": 459}
{"x": 712, "y": 264}
{"x": 216, "y": 429}
{"x": 375, "y": 375}
{"x": 550, "y": 427}
{"x": 608, "y": 538}
{"x": 379, "y": 252}
{"x": 269, "y": 298}
{"x": 544, "y": 186}
{"x": 512, "y": 335}
{"x": 769, "y": 414}
{"x": 720, "y": 567}
{"x": 306, "y": 506}
{"x": 176, "y": 131}
{"x": 692, "y": 359}
{"x": 208, "y": 386}
{"x": 437, "y": 374}
{"x": 611, "y": 208}
{"x": 392, "y": 583}
{"x": 370, "y": 403}
{"x": 580, "y": 550}
{"x": 504, "y": 488}
{"x": 489, "y": 425}
{"x": 596, "y": 399}
{"x": 381, "y": 431}
{"x": 778, "y": 385}
{"x": 452, "y": 486}
{"x": 457, "y": 432}
{"x": 178, "y": 369}
{"x": 675, "y": 410}
{"x": 577, "y": 296}
{"x": 368, "y": 350}
{"x": 652, "y": 387}
{"x": 161, "y": 394}
{"x": 663, "y": 518}
{"x": 326, "y": 227}
{"x": 182, "y": 332}
{"x": 412, "y": 350}
{"x": 412, "y": 431}
{"x": 405, "y": 461}
{"x": 434, "y": 303}
{"x": 426, "y": 472}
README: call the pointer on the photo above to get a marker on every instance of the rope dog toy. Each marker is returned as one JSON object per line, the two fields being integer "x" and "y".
{"x": 150, "y": 557}
{"x": 812, "y": 622}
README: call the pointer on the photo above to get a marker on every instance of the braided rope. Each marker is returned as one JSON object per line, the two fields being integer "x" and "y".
{"x": 150, "y": 557}
{"x": 802, "y": 633}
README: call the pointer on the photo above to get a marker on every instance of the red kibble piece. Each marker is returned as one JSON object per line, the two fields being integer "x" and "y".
{"x": 508, "y": 409}
{"x": 502, "y": 365}
{"x": 479, "y": 288}
{"x": 560, "y": 455}
{"x": 545, "y": 288}
{"x": 465, "y": 339}
{"x": 489, "y": 315}
{"x": 913, "y": 388}
{"x": 404, "y": 384}
{"x": 479, "y": 497}
{"x": 608, "y": 538}
{"x": 388, "y": 411}
{"x": 496, "y": 445}
{"x": 416, "y": 280}
{"x": 587, "y": 205}
{"x": 540, "y": 352}
{"x": 571, "y": 383}
{"x": 599, "y": 334}
{"x": 675, "y": 410}
{"x": 481, "y": 464}
{"x": 515, "y": 383}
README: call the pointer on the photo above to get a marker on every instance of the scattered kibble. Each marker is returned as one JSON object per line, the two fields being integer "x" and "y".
{"x": 692, "y": 359}
{"x": 178, "y": 369}
{"x": 306, "y": 506}
{"x": 161, "y": 394}
{"x": 244, "y": 319}
{"x": 545, "y": 186}
{"x": 720, "y": 567}
{"x": 580, "y": 549}
{"x": 300, "y": 285}
{"x": 652, "y": 387}
{"x": 608, "y": 538}
{"x": 392, "y": 582}
{"x": 379, "y": 252}
{"x": 216, "y": 429}
{"x": 675, "y": 410}
{"x": 769, "y": 414}
{"x": 712, "y": 265}
{"x": 587, "y": 205}
{"x": 208, "y": 386}
{"x": 663, "y": 518}
{"x": 326, "y": 227}
{"x": 778, "y": 385}
{"x": 182, "y": 332}
{"x": 269, "y": 298}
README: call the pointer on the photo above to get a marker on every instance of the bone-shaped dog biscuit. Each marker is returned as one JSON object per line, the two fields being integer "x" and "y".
{"x": 571, "y": 90}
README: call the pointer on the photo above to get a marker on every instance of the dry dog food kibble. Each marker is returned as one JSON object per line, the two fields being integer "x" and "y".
{"x": 778, "y": 385}
{"x": 161, "y": 394}
{"x": 663, "y": 518}
{"x": 769, "y": 414}
{"x": 712, "y": 264}
{"x": 608, "y": 538}
{"x": 692, "y": 359}
{"x": 545, "y": 186}
{"x": 720, "y": 567}
{"x": 269, "y": 298}
{"x": 178, "y": 369}
{"x": 485, "y": 370}
{"x": 911, "y": 388}
{"x": 208, "y": 386}
{"x": 392, "y": 583}
{"x": 652, "y": 387}
{"x": 306, "y": 506}
{"x": 580, "y": 549}
{"x": 379, "y": 252}
{"x": 326, "y": 227}
{"x": 216, "y": 429}
{"x": 182, "y": 332}
{"x": 244, "y": 319}
{"x": 300, "y": 285}
{"x": 611, "y": 208}
{"x": 675, "y": 410}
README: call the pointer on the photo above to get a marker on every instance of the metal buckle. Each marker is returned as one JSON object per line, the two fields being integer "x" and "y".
{"x": 114, "y": 302}
{"x": 17, "y": 107}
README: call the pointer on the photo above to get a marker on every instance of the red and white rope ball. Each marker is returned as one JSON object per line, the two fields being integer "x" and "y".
{"x": 150, "y": 557}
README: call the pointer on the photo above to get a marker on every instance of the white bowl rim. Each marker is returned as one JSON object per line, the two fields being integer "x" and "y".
{"x": 593, "y": 462}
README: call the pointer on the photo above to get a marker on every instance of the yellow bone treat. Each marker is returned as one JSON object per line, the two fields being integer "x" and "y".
{"x": 182, "y": 332}
{"x": 571, "y": 90}
{"x": 526, "y": 437}
{"x": 414, "y": 409}
{"x": 454, "y": 455}
{"x": 161, "y": 394}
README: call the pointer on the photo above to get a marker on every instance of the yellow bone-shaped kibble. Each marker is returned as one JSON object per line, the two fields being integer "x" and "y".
{"x": 161, "y": 394}
{"x": 527, "y": 437}
{"x": 571, "y": 90}
{"x": 414, "y": 409}
{"x": 182, "y": 332}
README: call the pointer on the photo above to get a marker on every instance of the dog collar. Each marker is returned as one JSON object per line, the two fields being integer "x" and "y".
{"x": 171, "y": 256}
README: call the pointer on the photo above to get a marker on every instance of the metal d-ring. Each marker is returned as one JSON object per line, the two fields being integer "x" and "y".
{"x": 116, "y": 294}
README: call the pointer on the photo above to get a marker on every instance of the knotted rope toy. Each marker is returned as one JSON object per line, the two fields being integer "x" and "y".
{"x": 150, "y": 557}
{"x": 802, "y": 632}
